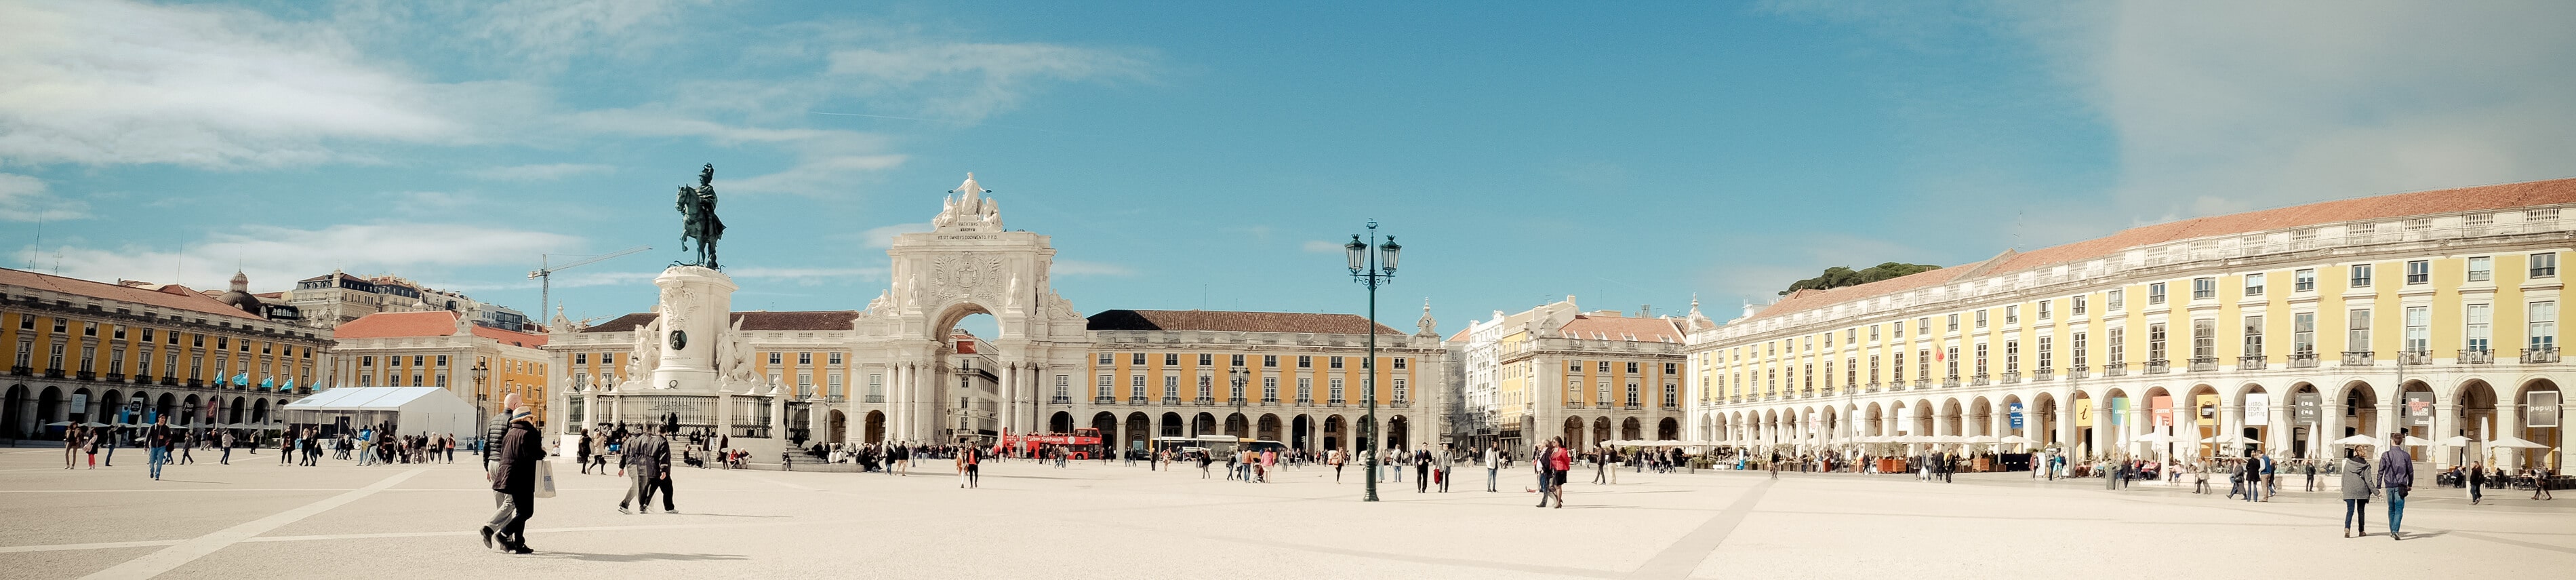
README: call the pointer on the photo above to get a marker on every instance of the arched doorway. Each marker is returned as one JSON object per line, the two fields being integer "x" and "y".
{"x": 1399, "y": 432}
{"x": 1600, "y": 431}
{"x": 1202, "y": 424}
{"x": 1573, "y": 432}
{"x": 1237, "y": 425}
{"x": 1668, "y": 429}
{"x": 1336, "y": 431}
{"x": 838, "y": 427}
{"x": 1267, "y": 429}
{"x": 1138, "y": 429}
{"x": 1301, "y": 433}
{"x": 259, "y": 411}
{"x": 1106, "y": 424}
{"x": 2543, "y": 427}
{"x": 874, "y": 427}
{"x": 15, "y": 410}
{"x": 2477, "y": 420}
{"x": 1631, "y": 429}
{"x": 1171, "y": 426}
{"x": 1060, "y": 422}
{"x": 2360, "y": 412}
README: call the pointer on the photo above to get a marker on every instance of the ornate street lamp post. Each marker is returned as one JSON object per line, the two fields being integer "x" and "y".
{"x": 483, "y": 370}
{"x": 1371, "y": 269}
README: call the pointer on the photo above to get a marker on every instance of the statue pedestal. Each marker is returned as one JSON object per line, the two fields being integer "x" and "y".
{"x": 697, "y": 305}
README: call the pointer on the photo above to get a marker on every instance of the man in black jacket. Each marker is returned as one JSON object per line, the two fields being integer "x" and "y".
{"x": 648, "y": 461}
{"x": 514, "y": 483}
{"x": 497, "y": 428}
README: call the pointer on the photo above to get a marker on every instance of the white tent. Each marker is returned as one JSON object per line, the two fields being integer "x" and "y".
{"x": 411, "y": 410}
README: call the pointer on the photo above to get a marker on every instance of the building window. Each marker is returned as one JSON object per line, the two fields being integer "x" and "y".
{"x": 2155, "y": 342}
{"x": 2204, "y": 339}
{"x": 2012, "y": 315}
{"x": 2481, "y": 327}
{"x": 1270, "y": 388}
{"x": 1171, "y": 386}
{"x": 1108, "y": 359}
{"x": 2156, "y": 293}
{"x": 1333, "y": 390}
{"x": 1105, "y": 386}
{"x": 2046, "y": 351}
{"x": 2204, "y": 288}
{"x": 1207, "y": 388}
{"x": 1873, "y": 368}
{"x": 804, "y": 358}
{"x": 1923, "y": 364}
{"x": 1402, "y": 394}
{"x": 2253, "y": 284}
{"x": 1171, "y": 359}
{"x": 1136, "y": 387}
{"x": 1632, "y": 394}
{"x": 1672, "y": 395}
{"x": 1923, "y": 326}
{"x": 2080, "y": 355}
{"x": 2076, "y": 305}
{"x": 2303, "y": 333}
{"x": 1237, "y": 360}
{"x": 2116, "y": 298}
{"x": 2419, "y": 329}
{"x": 1896, "y": 368}
{"x": 2357, "y": 330}
{"x": 774, "y": 358}
{"x": 1137, "y": 360}
{"x": 2361, "y": 275}
{"x": 1336, "y": 362}
{"x": 2043, "y": 308}
{"x": 2012, "y": 357}
{"x": 1305, "y": 362}
{"x": 2544, "y": 325}
{"x": 835, "y": 358}
{"x": 1270, "y": 361}
{"x": 1981, "y": 358}
{"x": 1632, "y": 367}
{"x": 1953, "y": 323}
{"x": 1399, "y": 363}
{"x": 89, "y": 359}
{"x": 1063, "y": 386}
{"x": 2481, "y": 269}
{"x": 2544, "y": 265}
{"x": 2419, "y": 271}
{"x": 2254, "y": 336}
{"x": 579, "y": 358}
{"x": 1305, "y": 389}
{"x": 2119, "y": 355}
{"x": 1952, "y": 355}
{"x": 1206, "y": 359}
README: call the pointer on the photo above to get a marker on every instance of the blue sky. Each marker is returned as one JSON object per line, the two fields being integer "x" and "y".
{"x": 1189, "y": 154}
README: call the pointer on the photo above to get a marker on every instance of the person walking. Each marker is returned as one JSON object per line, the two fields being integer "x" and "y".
{"x": 648, "y": 462}
{"x": 497, "y": 428}
{"x": 1334, "y": 458}
{"x": 2477, "y": 482}
{"x": 225, "y": 439}
{"x": 158, "y": 439}
{"x": 971, "y": 464}
{"x": 514, "y": 481}
{"x": 1546, "y": 476}
{"x": 2358, "y": 486}
{"x": 1443, "y": 462}
{"x": 2540, "y": 481}
{"x": 1421, "y": 470}
{"x": 1493, "y": 465}
{"x": 2396, "y": 478}
{"x": 1562, "y": 461}
{"x": 2253, "y": 473}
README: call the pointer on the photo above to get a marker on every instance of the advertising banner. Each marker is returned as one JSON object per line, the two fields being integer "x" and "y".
{"x": 2308, "y": 409}
{"x": 2119, "y": 411}
{"x": 2419, "y": 409}
{"x": 2016, "y": 414}
{"x": 2207, "y": 406}
{"x": 2084, "y": 413}
{"x": 2258, "y": 409}
{"x": 2161, "y": 409}
{"x": 2542, "y": 409}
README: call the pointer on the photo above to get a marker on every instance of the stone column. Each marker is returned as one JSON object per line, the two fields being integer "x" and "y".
{"x": 898, "y": 391}
{"x": 2446, "y": 423}
{"x": 2231, "y": 419}
{"x": 2509, "y": 422}
{"x": 2277, "y": 435}
{"x": 1009, "y": 409}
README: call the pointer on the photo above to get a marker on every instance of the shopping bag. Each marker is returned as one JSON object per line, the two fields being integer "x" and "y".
{"x": 545, "y": 479}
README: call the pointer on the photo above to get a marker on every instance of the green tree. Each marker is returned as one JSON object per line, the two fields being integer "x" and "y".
{"x": 1840, "y": 276}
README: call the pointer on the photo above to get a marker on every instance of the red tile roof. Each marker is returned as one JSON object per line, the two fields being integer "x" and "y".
{"x": 2484, "y": 197}
{"x": 1233, "y": 321}
{"x": 1589, "y": 327}
{"x": 171, "y": 296}
{"x": 430, "y": 323}
{"x": 756, "y": 320}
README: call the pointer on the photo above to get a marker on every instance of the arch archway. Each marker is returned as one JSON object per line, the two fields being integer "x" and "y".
{"x": 1631, "y": 429}
{"x": 1600, "y": 431}
{"x": 837, "y": 428}
{"x": 1060, "y": 422}
{"x": 1202, "y": 424}
{"x": 1336, "y": 431}
{"x": 1267, "y": 428}
{"x": 2360, "y": 403}
{"x": 1399, "y": 432}
{"x": 1668, "y": 429}
{"x": 1138, "y": 430}
{"x": 16, "y": 410}
{"x": 873, "y": 427}
{"x": 2474, "y": 402}
{"x": 2545, "y": 430}
{"x": 49, "y": 406}
{"x": 1301, "y": 432}
{"x": 1237, "y": 425}
{"x": 1573, "y": 432}
{"x": 259, "y": 411}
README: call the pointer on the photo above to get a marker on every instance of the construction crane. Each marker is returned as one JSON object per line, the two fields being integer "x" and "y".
{"x": 545, "y": 273}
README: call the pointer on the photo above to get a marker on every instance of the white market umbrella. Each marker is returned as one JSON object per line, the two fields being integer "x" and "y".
{"x": 2357, "y": 440}
{"x": 2512, "y": 442}
{"x": 2017, "y": 439}
{"x": 2413, "y": 441}
{"x": 2230, "y": 438}
{"x": 2153, "y": 439}
{"x": 2452, "y": 441}
{"x": 59, "y": 424}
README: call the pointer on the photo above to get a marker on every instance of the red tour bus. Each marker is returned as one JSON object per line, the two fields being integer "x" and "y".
{"x": 1080, "y": 444}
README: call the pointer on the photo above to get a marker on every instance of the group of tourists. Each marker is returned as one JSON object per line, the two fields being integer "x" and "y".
{"x": 165, "y": 444}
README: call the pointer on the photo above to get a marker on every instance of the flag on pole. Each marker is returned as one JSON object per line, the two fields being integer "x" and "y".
{"x": 241, "y": 380}
{"x": 269, "y": 384}
{"x": 290, "y": 385}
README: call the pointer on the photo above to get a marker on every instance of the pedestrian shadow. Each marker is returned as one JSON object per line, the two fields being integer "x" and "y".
{"x": 167, "y": 480}
{"x": 2432, "y": 534}
{"x": 646, "y": 557}
{"x": 729, "y": 515}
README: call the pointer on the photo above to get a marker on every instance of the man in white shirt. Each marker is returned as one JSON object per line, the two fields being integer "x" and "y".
{"x": 1493, "y": 464}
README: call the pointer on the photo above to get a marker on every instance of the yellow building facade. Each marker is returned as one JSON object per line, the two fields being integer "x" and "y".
{"x": 2432, "y": 312}
{"x": 83, "y": 351}
{"x": 441, "y": 349}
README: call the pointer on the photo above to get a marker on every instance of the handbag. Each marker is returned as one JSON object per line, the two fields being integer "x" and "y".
{"x": 545, "y": 479}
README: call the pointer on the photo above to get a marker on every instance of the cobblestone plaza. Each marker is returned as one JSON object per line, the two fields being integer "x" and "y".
{"x": 255, "y": 519}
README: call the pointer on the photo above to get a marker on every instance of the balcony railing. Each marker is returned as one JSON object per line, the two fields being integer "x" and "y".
{"x": 1602, "y": 405}
{"x": 196, "y": 382}
{"x": 2202, "y": 364}
{"x": 2115, "y": 370}
{"x": 1333, "y": 403}
{"x": 1270, "y": 400}
{"x": 53, "y": 373}
{"x": 2158, "y": 366}
{"x": 2540, "y": 355}
{"x": 1872, "y": 388}
{"x": 1950, "y": 381}
{"x": 1574, "y": 404}
{"x": 1204, "y": 400}
{"x": 2044, "y": 374}
{"x": 169, "y": 381}
{"x": 143, "y": 379}
{"x": 1922, "y": 382}
{"x": 2011, "y": 378}
{"x": 1979, "y": 380}
{"x": 22, "y": 370}
{"x": 881, "y": 399}
{"x": 1060, "y": 400}
{"x": 1634, "y": 406}
{"x": 2357, "y": 358}
{"x": 2414, "y": 357}
{"x": 2303, "y": 360}
{"x": 118, "y": 377}
{"x": 1171, "y": 401}
{"x": 2477, "y": 357}
{"x": 2252, "y": 362}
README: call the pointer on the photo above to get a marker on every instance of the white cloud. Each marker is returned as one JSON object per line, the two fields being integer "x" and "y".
{"x": 539, "y": 172}
{"x": 114, "y": 82}
{"x": 2228, "y": 106}
{"x": 970, "y": 81}
{"x": 882, "y": 237}
{"x": 1082, "y": 268}
{"x": 27, "y": 199}
{"x": 275, "y": 257}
